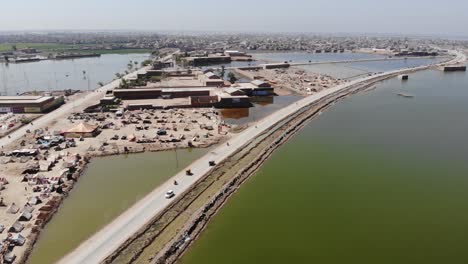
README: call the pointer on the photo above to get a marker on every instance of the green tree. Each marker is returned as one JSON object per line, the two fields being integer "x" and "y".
{"x": 223, "y": 72}
{"x": 123, "y": 84}
{"x": 232, "y": 77}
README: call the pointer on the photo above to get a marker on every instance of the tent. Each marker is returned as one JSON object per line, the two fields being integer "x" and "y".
{"x": 25, "y": 216}
{"x": 17, "y": 239}
{"x": 82, "y": 130}
{"x": 13, "y": 209}
{"x": 16, "y": 227}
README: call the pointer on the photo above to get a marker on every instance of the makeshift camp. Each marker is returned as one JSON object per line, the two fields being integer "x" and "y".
{"x": 34, "y": 200}
{"x": 16, "y": 239}
{"x": 32, "y": 167}
{"x": 45, "y": 165}
{"x": 16, "y": 227}
{"x": 28, "y": 208}
{"x": 82, "y": 130}
{"x": 9, "y": 257}
{"x": 131, "y": 138}
{"x": 13, "y": 209}
{"x": 25, "y": 216}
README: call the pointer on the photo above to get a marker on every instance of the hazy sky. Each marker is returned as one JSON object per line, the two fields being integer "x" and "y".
{"x": 449, "y": 17}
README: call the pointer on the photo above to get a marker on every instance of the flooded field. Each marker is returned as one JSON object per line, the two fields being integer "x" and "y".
{"x": 77, "y": 74}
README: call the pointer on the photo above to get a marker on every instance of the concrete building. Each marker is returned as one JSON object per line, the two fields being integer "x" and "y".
{"x": 210, "y": 79}
{"x": 230, "y": 101}
{"x": 234, "y": 91}
{"x": 211, "y": 75}
{"x": 261, "y": 84}
{"x": 235, "y": 53}
{"x": 29, "y": 104}
{"x": 165, "y": 93}
{"x": 168, "y": 93}
{"x": 200, "y": 61}
{"x": 134, "y": 94}
{"x": 252, "y": 89}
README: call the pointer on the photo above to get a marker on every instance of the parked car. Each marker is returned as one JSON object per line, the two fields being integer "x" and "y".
{"x": 161, "y": 132}
{"x": 169, "y": 194}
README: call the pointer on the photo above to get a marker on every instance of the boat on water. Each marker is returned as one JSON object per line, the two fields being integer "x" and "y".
{"x": 405, "y": 95}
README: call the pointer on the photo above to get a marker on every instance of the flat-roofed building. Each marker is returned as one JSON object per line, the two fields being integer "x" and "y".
{"x": 235, "y": 53}
{"x": 199, "y": 61}
{"x": 143, "y": 93}
{"x": 211, "y": 75}
{"x": 234, "y": 91}
{"x": 29, "y": 104}
{"x": 227, "y": 101}
{"x": 210, "y": 79}
{"x": 251, "y": 89}
{"x": 185, "y": 92}
{"x": 261, "y": 84}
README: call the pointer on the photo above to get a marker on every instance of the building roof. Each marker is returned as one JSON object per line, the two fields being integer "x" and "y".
{"x": 23, "y": 99}
{"x": 231, "y": 90}
{"x": 187, "y": 89}
{"x": 258, "y": 82}
{"x": 211, "y": 74}
{"x": 82, "y": 128}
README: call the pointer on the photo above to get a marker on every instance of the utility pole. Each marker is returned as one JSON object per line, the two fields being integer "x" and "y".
{"x": 176, "y": 157}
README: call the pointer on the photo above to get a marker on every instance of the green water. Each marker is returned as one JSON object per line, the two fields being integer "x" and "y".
{"x": 377, "y": 178}
{"x": 109, "y": 186}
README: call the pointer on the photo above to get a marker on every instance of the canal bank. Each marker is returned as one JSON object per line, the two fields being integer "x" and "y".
{"x": 141, "y": 248}
{"x": 153, "y": 201}
{"x": 376, "y": 179}
{"x": 93, "y": 202}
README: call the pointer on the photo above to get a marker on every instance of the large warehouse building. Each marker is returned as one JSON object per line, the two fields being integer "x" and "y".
{"x": 29, "y": 104}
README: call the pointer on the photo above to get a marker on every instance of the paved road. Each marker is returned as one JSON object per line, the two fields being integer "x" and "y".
{"x": 107, "y": 240}
{"x": 77, "y": 105}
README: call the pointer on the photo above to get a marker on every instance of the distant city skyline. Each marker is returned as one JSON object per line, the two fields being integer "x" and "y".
{"x": 429, "y": 17}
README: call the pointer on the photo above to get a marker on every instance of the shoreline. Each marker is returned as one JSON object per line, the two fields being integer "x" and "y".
{"x": 162, "y": 257}
{"x": 148, "y": 203}
{"x": 78, "y": 173}
{"x": 81, "y": 171}
{"x": 175, "y": 251}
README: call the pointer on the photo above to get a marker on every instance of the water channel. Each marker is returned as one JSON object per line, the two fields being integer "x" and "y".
{"x": 378, "y": 178}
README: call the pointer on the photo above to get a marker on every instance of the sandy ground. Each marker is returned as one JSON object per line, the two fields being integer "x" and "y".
{"x": 299, "y": 80}
{"x": 10, "y": 122}
{"x": 293, "y": 79}
{"x": 200, "y": 127}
